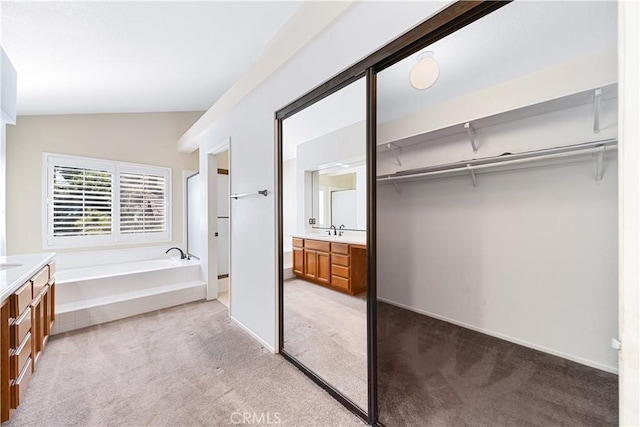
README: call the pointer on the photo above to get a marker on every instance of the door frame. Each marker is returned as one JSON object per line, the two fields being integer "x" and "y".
{"x": 447, "y": 21}
{"x": 210, "y": 194}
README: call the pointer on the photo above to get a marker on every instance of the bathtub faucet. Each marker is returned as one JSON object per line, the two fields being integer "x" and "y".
{"x": 182, "y": 254}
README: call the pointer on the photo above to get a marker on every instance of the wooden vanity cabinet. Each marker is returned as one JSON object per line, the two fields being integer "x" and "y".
{"x": 340, "y": 266}
{"x": 317, "y": 261}
{"x": 26, "y": 318}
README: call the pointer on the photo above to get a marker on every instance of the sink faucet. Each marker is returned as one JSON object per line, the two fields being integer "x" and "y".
{"x": 341, "y": 227}
{"x": 182, "y": 254}
{"x": 334, "y": 230}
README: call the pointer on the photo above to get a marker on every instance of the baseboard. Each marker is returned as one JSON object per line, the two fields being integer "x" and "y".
{"x": 288, "y": 273}
{"x": 533, "y": 346}
{"x": 253, "y": 335}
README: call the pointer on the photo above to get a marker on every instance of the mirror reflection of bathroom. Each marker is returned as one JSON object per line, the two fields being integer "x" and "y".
{"x": 325, "y": 253}
{"x": 497, "y": 294}
{"x": 340, "y": 197}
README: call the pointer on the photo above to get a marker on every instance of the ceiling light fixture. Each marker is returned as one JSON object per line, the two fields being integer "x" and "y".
{"x": 425, "y": 72}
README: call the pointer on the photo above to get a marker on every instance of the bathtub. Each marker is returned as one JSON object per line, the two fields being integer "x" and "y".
{"x": 91, "y": 295}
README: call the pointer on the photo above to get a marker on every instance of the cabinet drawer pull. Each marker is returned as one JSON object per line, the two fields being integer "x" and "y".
{"x": 20, "y": 355}
{"x": 20, "y": 328}
{"x": 40, "y": 280}
{"x": 21, "y": 299}
{"x": 20, "y": 385}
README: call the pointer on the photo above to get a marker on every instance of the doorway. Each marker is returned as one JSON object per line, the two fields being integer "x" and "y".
{"x": 223, "y": 225}
{"x": 216, "y": 184}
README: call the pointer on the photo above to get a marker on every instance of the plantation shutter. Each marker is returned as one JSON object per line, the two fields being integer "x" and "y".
{"x": 143, "y": 201}
{"x": 82, "y": 201}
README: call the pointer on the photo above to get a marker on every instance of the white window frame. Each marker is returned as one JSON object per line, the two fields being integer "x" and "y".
{"x": 49, "y": 241}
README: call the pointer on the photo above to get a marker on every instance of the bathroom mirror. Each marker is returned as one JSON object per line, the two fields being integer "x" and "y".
{"x": 324, "y": 313}
{"x": 340, "y": 196}
{"x": 194, "y": 236}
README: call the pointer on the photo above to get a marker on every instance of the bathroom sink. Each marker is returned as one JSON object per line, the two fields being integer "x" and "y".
{"x": 8, "y": 265}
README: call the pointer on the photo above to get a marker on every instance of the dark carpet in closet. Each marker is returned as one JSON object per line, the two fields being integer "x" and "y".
{"x": 433, "y": 373}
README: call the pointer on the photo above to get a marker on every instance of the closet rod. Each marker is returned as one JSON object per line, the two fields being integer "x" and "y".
{"x": 472, "y": 165}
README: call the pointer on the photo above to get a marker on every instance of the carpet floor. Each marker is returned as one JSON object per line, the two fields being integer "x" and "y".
{"x": 184, "y": 366}
{"x": 433, "y": 373}
{"x": 326, "y": 330}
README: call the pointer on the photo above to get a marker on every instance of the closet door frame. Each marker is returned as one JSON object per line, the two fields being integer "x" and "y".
{"x": 447, "y": 21}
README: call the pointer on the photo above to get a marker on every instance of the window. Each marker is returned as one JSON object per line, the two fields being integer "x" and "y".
{"x": 93, "y": 202}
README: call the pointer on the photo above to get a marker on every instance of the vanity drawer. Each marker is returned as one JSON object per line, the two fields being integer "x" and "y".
{"x": 298, "y": 243}
{"x": 20, "y": 328}
{"x": 20, "y": 385}
{"x": 317, "y": 245}
{"x": 40, "y": 280}
{"x": 21, "y": 299}
{"x": 340, "y": 248}
{"x": 52, "y": 272}
{"x": 19, "y": 356}
{"x": 340, "y": 282}
{"x": 338, "y": 270}
{"x": 340, "y": 259}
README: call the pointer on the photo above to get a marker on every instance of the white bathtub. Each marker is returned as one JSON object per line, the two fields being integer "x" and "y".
{"x": 120, "y": 269}
{"x": 92, "y": 295}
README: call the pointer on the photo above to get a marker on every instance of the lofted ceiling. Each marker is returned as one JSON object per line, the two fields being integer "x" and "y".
{"x": 133, "y": 56}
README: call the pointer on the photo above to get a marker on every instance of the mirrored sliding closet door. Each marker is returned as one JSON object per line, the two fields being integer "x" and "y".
{"x": 324, "y": 215}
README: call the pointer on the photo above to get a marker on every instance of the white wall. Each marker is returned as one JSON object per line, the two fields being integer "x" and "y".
{"x": 529, "y": 255}
{"x": 343, "y": 145}
{"x": 8, "y": 94}
{"x": 629, "y": 60}
{"x": 147, "y": 138}
{"x": 290, "y": 202}
{"x": 251, "y": 128}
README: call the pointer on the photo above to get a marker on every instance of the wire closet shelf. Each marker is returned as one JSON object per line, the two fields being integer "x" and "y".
{"x": 596, "y": 148}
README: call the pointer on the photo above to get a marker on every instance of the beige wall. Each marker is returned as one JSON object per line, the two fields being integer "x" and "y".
{"x": 147, "y": 138}
{"x": 222, "y": 160}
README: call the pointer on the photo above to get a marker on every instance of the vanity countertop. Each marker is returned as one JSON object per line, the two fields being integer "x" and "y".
{"x": 353, "y": 240}
{"x": 15, "y": 270}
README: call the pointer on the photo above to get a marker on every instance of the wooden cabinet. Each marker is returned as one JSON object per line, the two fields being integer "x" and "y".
{"x": 298, "y": 257}
{"x": 26, "y": 318}
{"x": 340, "y": 266}
{"x": 324, "y": 267}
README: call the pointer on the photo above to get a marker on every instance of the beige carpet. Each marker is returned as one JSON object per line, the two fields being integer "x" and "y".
{"x": 326, "y": 330}
{"x": 184, "y": 366}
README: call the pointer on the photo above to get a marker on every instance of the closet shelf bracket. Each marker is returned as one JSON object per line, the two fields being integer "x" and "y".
{"x": 395, "y": 150}
{"x": 398, "y": 189}
{"x": 596, "y": 110}
{"x": 599, "y": 162}
{"x": 473, "y": 176}
{"x": 472, "y": 136}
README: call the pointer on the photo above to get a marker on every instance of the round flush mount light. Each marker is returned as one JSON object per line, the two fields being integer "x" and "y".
{"x": 425, "y": 72}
